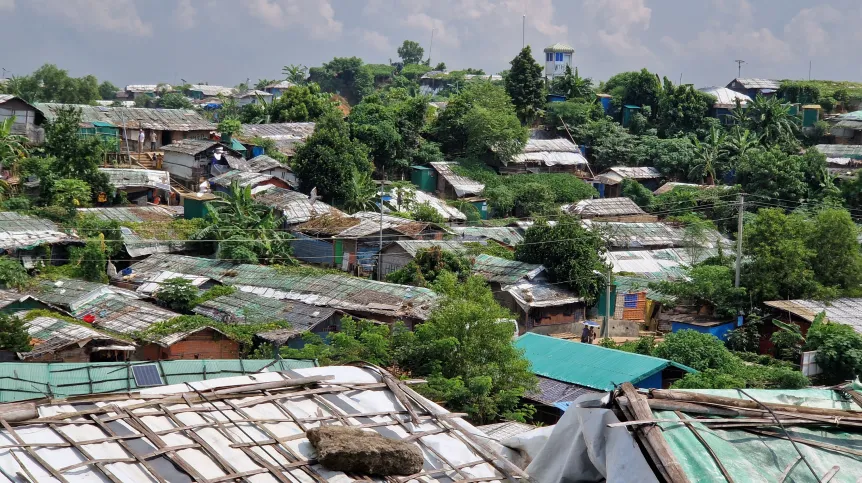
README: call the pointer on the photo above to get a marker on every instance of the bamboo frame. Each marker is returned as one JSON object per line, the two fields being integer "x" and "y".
{"x": 225, "y": 410}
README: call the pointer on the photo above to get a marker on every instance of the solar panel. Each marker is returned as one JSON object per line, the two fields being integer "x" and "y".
{"x": 147, "y": 375}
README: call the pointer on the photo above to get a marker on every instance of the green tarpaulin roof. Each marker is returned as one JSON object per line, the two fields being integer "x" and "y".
{"x": 20, "y": 381}
{"x": 236, "y": 145}
{"x": 756, "y": 458}
{"x": 586, "y": 364}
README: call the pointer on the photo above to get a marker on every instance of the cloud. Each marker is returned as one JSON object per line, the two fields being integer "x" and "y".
{"x": 317, "y": 17}
{"x": 443, "y": 36}
{"x": 811, "y": 28}
{"x": 619, "y": 23}
{"x": 185, "y": 15}
{"x": 7, "y": 4}
{"x": 376, "y": 40}
{"x": 113, "y": 16}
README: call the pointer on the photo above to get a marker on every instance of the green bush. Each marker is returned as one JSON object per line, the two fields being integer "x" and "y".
{"x": 177, "y": 294}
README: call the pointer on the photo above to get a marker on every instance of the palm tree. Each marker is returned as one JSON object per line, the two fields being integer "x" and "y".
{"x": 361, "y": 193}
{"x": 707, "y": 155}
{"x": 771, "y": 120}
{"x": 13, "y": 147}
{"x": 737, "y": 146}
{"x": 245, "y": 231}
{"x": 295, "y": 73}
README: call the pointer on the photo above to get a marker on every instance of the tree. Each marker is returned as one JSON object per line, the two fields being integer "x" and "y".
{"x": 410, "y": 52}
{"x": 347, "y": 76}
{"x": 479, "y": 120}
{"x": 636, "y": 88}
{"x": 636, "y": 192}
{"x": 524, "y": 85}
{"x": 779, "y": 265}
{"x": 13, "y": 147}
{"x": 74, "y": 157}
{"x": 737, "y": 146}
{"x": 177, "y": 294}
{"x": 71, "y": 193}
{"x": 52, "y": 84}
{"x": 707, "y": 156}
{"x": 108, "y": 91}
{"x": 13, "y": 274}
{"x": 229, "y": 126}
{"x": 707, "y": 286}
{"x": 328, "y": 159}
{"x": 301, "y": 103}
{"x": 90, "y": 261}
{"x": 373, "y": 123}
{"x": 13, "y": 334}
{"x": 682, "y": 109}
{"x": 441, "y": 66}
{"x": 262, "y": 83}
{"x": 839, "y": 350}
{"x": 174, "y": 100}
{"x": 465, "y": 353}
{"x": 361, "y": 193}
{"x": 296, "y": 74}
{"x": 774, "y": 174}
{"x": 565, "y": 117}
{"x": 570, "y": 253}
{"x": 428, "y": 264}
{"x": 771, "y": 120}
{"x": 573, "y": 86}
{"x": 244, "y": 231}
{"x": 427, "y": 213}
{"x": 696, "y": 350}
{"x": 837, "y": 263}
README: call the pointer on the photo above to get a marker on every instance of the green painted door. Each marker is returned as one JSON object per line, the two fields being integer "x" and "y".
{"x": 339, "y": 253}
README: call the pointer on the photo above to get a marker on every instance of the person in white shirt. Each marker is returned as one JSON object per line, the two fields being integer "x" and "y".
{"x": 141, "y": 141}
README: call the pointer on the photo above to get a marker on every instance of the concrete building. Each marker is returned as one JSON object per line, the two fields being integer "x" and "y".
{"x": 557, "y": 58}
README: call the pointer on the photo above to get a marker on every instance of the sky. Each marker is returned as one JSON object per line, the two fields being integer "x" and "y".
{"x": 225, "y": 42}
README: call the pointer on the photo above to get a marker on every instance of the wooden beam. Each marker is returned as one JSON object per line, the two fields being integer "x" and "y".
{"x": 652, "y": 435}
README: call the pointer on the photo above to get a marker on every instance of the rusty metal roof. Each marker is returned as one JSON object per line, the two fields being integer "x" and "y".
{"x": 296, "y": 207}
{"x": 135, "y": 117}
{"x": 847, "y": 311}
{"x": 50, "y": 334}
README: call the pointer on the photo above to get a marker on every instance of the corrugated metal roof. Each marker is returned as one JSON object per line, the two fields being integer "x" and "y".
{"x": 725, "y": 98}
{"x": 20, "y": 381}
{"x": 49, "y": 335}
{"x": 539, "y": 292}
{"x": 653, "y": 235}
{"x": 287, "y": 135}
{"x": 131, "y": 214}
{"x": 191, "y": 146}
{"x": 503, "y": 234}
{"x": 370, "y": 223}
{"x": 264, "y": 163}
{"x": 671, "y": 185}
{"x": 849, "y": 151}
{"x": 606, "y": 207}
{"x": 412, "y": 247}
{"x": 500, "y": 270}
{"x": 586, "y": 364}
{"x": 136, "y": 178}
{"x": 280, "y": 85}
{"x": 330, "y": 290}
{"x": 243, "y": 307}
{"x": 208, "y": 90}
{"x": 847, "y": 311}
{"x": 560, "y": 47}
{"x": 19, "y": 231}
{"x": 6, "y": 97}
{"x": 664, "y": 264}
{"x": 751, "y": 83}
{"x": 244, "y": 178}
{"x": 122, "y": 315}
{"x": 158, "y": 119}
{"x": 144, "y": 88}
{"x": 551, "y": 392}
{"x": 296, "y": 207}
{"x": 550, "y": 152}
{"x": 70, "y": 294}
{"x": 642, "y": 172}
{"x": 252, "y": 93}
{"x": 462, "y": 185}
{"x": 9, "y": 297}
{"x": 449, "y": 213}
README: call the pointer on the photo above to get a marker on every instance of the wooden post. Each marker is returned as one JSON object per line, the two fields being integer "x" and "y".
{"x": 651, "y": 435}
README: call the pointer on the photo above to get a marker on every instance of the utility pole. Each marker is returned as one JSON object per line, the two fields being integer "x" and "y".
{"x": 739, "y": 238}
{"x": 809, "y": 70}
{"x": 606, "y": 327}
{"x": 524, "y": 31}
{"x": 431, "y": 47}
{"x": 380, "y": 253}
{"x": 739, "y": 63}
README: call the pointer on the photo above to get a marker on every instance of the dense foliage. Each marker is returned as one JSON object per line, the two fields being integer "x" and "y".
{"x": 13, "y": 334}
{"x": 177, "y": 294}
{"x": 428, "y": 264}
{"x": 525, "y": 86}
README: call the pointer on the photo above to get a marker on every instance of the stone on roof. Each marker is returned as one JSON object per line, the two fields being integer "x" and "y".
{"x": 462, "y": 185}
{"x": 136, "y": 117}
{"x": 136, "y": 178}
{"x": 19, "y": 231}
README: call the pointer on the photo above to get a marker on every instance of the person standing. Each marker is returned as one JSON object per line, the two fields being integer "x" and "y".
{"x": 153, "y": 139}
{"x": 141, "y": 140}
{"x": 585, "y": 335}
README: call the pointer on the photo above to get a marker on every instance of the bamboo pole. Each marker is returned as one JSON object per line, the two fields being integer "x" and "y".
{"x": 670, "y": 394}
